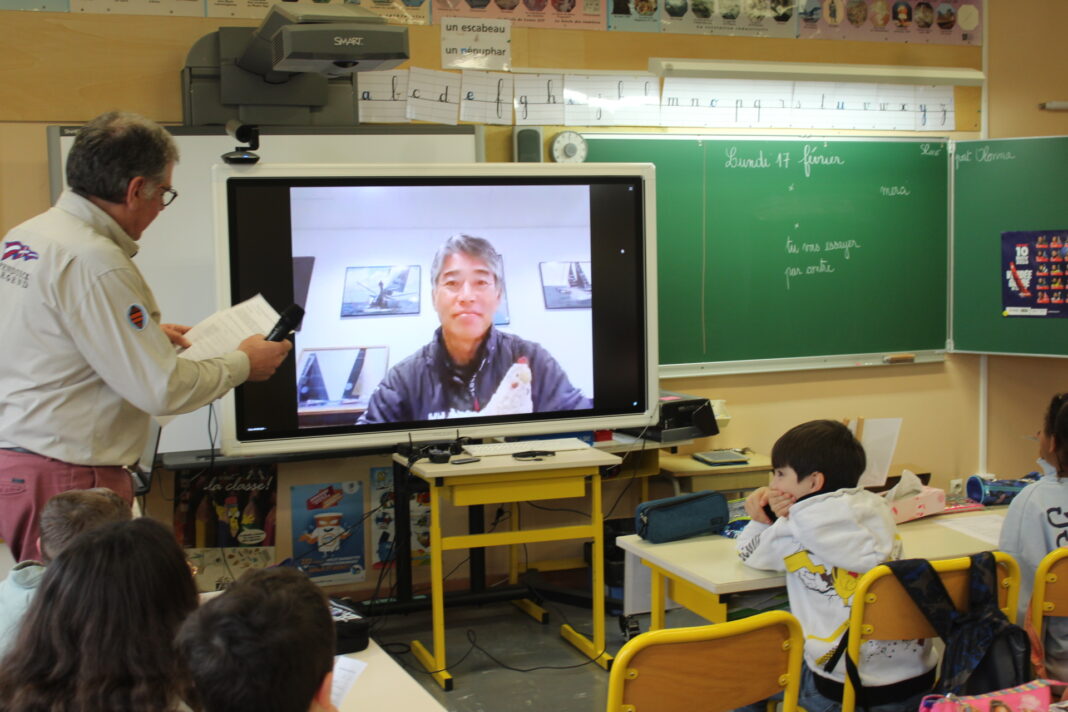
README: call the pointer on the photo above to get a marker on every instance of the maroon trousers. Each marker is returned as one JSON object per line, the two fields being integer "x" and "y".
{"x": 28, "y": 480}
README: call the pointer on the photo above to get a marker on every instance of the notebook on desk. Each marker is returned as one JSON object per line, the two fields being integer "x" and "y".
{"x": 721, "y": 457}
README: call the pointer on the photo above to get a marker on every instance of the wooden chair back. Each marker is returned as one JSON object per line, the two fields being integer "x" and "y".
{"x": 883, "y": 610}
{"x": 709, "y": 668}
{"x": 1049, "y": 597}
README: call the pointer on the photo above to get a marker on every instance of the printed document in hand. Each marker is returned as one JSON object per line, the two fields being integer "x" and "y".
{"x": 224, "y": 330}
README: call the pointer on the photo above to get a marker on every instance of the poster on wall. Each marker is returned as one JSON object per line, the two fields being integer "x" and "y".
{"x": 382, "y": 523}
{"x": 935, "y": 22}
{"x": 1035, "y": 273}
{"x": 742, "y": 18}
{"x": 551, "y": 14}
{"x": 401, "y": 12}
{"x": 225, "y": 521}
{"x": 328, "y": 531}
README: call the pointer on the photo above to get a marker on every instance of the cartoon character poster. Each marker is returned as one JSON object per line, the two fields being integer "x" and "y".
{"x": 226, "y": 521}
{"x": 383, "y": 536}
{"x": 328, "y": 531}
{"x": 1035, "y": 273}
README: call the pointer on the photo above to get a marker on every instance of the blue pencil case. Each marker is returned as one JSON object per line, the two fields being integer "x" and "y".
{"x": 680, "y": 517}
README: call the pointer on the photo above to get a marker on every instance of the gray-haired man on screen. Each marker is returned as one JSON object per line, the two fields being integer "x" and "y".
{"x": 470, "y": 368}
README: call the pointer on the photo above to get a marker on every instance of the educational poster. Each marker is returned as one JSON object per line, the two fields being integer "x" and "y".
{"x": 746, "y": 18}
{"x": 405, "y": 12}
{"x": 175, "y": 8}
{"x": 1035, "y": 273}
{"x": 328, "y": 531}
{"x": 38, "y": 5}
{"x": 935, "y": 22}
{"x": 215, "y": 569}
{"x": 225, "y": 521}
{"x": 640, "y": 15}
{"x": 234, "y": 507}
{"x": 382, "y": 536}
{"x": 552, "y": 14}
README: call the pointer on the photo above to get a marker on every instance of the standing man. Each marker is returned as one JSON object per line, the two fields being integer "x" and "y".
{"x": 84, "y": 359}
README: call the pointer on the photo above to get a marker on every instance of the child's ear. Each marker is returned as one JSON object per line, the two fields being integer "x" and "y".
{"x": 322, "y": 696}
{"x": 816, "y": 480}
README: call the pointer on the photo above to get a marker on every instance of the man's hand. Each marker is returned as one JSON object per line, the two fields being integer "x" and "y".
{"x": 264, "y": 357}
{"x": 176, "y": 333}
{"x": 754, "y": 505}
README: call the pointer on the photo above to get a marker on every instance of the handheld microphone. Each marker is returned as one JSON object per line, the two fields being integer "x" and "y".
{"x": 287, "y": 322}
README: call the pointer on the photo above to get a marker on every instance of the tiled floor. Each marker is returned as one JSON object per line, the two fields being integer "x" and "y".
{"x": 502, "y": 659}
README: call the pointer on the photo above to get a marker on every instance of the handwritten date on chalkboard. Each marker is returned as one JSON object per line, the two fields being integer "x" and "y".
{"x": 810, "y": 156}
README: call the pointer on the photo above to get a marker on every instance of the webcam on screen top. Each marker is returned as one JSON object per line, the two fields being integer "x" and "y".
{"x": 245, "y": 133}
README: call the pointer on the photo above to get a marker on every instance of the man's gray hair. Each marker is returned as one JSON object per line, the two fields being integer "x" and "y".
{"x": 478, "y": 247}
{"x": 113, "y": 149}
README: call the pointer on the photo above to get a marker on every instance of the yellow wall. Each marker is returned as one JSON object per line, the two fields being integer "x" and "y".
{"x": 65, "y": 68}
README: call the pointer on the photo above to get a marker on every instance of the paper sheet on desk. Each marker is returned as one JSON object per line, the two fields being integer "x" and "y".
{"x": 986, "y": 527}
{"x": 346, "y": 670}
{"x": 223, "y": 332}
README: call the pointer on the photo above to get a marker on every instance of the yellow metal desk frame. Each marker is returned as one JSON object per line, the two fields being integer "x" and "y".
{"x": 503, "y": 479}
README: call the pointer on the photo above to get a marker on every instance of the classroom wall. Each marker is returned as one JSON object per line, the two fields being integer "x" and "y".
{"x": 65, "y": 68}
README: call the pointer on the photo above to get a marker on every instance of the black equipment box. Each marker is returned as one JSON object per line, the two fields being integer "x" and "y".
{"x": 681, "y": 417}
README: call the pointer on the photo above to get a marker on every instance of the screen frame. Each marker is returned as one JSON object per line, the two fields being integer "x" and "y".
{"x": 231, "y": 444}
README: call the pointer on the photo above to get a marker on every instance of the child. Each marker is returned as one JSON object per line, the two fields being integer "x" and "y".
{"x": 824, "y": 532}
{"x": 1037, "y": 523}
{"x": 267, "y": 643}
{"x": 99, "y": 633}
{"x": 64, "y": 516}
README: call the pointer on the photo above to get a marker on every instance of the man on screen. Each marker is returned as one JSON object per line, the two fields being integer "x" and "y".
{"x": 469, "y": 368}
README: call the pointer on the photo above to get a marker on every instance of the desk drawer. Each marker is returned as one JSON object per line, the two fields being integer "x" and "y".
{"x": 467, "y": 495}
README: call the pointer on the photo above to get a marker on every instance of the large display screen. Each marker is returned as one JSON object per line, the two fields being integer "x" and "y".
{"x": 443, "y": 300}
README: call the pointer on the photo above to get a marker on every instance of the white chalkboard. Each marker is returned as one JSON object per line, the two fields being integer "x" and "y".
{"x": 177, "y": 251}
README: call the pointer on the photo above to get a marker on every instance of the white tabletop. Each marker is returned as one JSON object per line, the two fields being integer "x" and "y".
{"x": 500, "y": 464}
{"x": 385, "y": 685}
{"x": 712, "y": 563}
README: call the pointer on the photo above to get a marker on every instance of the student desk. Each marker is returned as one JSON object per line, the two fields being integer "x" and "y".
{"x": 385, "y": 685}
{"x": 697, "y": 572}
{"x": 504, "y": 479}
{"x": 755, "y": 473}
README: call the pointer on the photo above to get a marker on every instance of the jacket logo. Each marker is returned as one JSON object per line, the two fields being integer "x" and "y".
{"x": 15, "y": 250}
{"x": 136, "y": 315}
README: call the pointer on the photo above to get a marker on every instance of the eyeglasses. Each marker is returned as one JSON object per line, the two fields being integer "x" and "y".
{"x": 169, "y": 194}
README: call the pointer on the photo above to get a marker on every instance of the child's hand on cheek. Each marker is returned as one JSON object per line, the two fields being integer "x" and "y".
{"x": 754, "y": 505}
{"x": 780, "y": 502}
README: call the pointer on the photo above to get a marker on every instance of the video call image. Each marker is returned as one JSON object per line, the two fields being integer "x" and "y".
{"x": 501, "y": 325}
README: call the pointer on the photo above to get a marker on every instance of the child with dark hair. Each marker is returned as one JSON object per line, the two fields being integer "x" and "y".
{"x": 1037, "y": 523}
{"x": 817, "y": 526}
{"x": 64, "y": 516}
{"x": 99, "y": 634}
{"x": 267, "y": 644}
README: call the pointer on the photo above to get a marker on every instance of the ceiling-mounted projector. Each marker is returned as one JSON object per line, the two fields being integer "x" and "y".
{"x": 296, "y": 68}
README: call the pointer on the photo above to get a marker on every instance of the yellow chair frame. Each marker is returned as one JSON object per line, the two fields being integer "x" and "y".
{"x": 1049, "y": 597}
{"x": 883, "y": 610}
{"x": 709, "y": 668}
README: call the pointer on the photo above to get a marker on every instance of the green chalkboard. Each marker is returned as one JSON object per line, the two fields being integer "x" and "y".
{"x": 790, "y": 248}
{"x": 1007, "y": 185}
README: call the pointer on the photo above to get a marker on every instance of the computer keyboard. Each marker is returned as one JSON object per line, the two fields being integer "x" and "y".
{"x": 510, "y": 448}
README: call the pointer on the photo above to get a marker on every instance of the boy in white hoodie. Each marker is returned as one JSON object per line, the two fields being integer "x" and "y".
{"x": 816, "y": 525}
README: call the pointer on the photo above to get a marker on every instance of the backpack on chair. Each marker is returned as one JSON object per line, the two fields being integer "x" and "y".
{"x": 984, "y": 651}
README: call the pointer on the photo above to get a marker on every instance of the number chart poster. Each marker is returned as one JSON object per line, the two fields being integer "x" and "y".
{"x": 328, "y": 531}
{"x": 382, "y": 525}
{"x": 1036, "y": 272}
